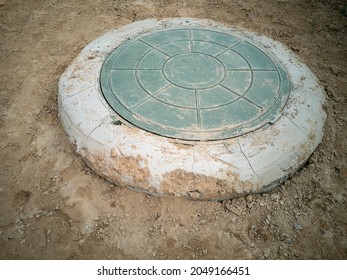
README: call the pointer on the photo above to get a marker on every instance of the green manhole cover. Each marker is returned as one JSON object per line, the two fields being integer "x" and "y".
{"x": 194, "y": 84}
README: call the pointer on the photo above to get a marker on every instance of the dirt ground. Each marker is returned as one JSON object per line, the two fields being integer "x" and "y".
{"x": 52, "y": 206}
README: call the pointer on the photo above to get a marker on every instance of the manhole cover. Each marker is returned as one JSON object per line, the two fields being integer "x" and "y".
{"x": 191, "y": 108}
{"x": 194, "y": 84}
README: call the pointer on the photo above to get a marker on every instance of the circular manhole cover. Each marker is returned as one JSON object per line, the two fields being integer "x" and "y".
{"x": 194, "y": 84}
{"x": 191, "y": 108}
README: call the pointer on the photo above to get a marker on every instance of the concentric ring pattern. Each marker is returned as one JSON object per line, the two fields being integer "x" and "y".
{"x": 194, "y": 84}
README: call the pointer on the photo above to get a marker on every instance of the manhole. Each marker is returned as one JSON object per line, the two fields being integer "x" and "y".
{"x": 191, "y": 108}
{"x": 194, "y": 84}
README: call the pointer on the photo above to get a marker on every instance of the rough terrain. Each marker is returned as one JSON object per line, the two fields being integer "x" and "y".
{"x": 52, "y": 206}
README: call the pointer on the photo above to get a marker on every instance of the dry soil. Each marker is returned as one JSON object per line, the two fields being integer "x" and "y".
{"x": 52, "y": 206}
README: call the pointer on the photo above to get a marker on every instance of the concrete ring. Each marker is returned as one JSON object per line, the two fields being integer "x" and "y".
{"x": 128, "y": 156}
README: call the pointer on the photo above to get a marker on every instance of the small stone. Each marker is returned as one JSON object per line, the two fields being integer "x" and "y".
{"x": 281, "y": 202}
{"x": 275, "y": 196}
{"x": 338, "y": 198}
{"x": 81, "y": 241}
{"x": 233, "y": 219}
{"x": 114, "y": 152}
{"x": 297, "y": 226}
{"x": 194, "y": 194}
{"x": 91, "y": 56}
{"x": 249, "y": 198}
{"x": 288, "y": 240}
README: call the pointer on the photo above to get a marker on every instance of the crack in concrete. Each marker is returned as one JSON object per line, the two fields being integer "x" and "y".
{"x": 120, "y": 151}
{"x": 295, "y": 124}
{"x": 249, "y": 163}
{"x": 72, "y": 95}
{"x": 90, "y": 133}
{"x": 225, "y": 162}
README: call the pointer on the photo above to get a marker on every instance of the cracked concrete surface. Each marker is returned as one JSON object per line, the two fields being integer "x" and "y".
{"x": 303, "y": 131}
{"x": 247, "y": 160}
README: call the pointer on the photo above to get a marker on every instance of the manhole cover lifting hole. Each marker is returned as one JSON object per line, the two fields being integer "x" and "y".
{"x": 194, "y": 84}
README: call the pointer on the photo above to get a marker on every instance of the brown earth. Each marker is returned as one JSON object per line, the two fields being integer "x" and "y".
{"x": 54, "y": 207}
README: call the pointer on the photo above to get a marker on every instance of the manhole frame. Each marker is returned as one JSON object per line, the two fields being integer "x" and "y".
{"x": 143, "y": 161}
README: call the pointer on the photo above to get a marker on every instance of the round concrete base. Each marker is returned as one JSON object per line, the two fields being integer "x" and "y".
{"x": 143, "y": 161}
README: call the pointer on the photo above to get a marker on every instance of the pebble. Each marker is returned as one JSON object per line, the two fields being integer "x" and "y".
{"x": 249, "y": 198}
{"x": 275, "y": 196}
{"x": 233, "y": 219}
{"x": 297, "y": 226}
{"x": 288, "y": 240}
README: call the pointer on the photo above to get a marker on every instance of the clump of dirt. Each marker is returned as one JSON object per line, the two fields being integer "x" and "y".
{"x": 54, "y": 207}
{"x": 201, "y": 186}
